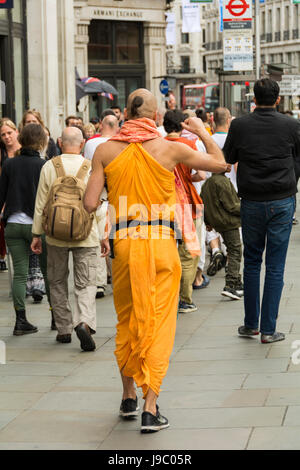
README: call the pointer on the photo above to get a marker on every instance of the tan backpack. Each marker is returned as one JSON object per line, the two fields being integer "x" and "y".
{"x": 64, "y": 216}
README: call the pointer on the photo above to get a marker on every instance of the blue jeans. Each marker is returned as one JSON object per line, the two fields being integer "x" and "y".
{"x": 265, "y": 225}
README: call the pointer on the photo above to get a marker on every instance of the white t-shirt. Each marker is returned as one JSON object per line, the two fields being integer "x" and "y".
{"x": 161, "y": 129}
{"x": 220, "y": 139}
{"x": 20, "y": 218}
{"x": 91, "y": 146}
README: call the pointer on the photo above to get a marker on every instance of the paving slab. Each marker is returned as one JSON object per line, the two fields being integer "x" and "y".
{"x": 190, "y": 439}
{"x": 276, "y": 438}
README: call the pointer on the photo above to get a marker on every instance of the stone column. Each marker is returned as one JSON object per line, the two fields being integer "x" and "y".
{"x": 43, "y": 61}
{"x": 81, "y": 50}
{"x": 155, "y": 57}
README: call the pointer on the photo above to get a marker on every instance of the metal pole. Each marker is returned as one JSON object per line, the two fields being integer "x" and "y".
{"x": 257, "y": 38}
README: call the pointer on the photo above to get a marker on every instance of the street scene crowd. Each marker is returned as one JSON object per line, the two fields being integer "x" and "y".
{"x": 205, "y": 192}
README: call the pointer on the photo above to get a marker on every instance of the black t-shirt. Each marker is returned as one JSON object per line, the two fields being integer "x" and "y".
{"x": 266, "y": 145}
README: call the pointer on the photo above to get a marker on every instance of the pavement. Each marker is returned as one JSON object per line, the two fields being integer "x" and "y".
{"x": 221, "y": 391}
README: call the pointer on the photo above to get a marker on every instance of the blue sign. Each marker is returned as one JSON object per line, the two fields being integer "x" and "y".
{"x": 164, "y": 87}
{"x": 6, "y": 3}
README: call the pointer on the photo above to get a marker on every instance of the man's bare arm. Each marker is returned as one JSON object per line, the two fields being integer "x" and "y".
{"x": 95, "y": 185}
{"x": 196, "y": 126}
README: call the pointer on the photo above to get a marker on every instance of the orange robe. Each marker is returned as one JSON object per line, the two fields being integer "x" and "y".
{"x": 146, "y": 270}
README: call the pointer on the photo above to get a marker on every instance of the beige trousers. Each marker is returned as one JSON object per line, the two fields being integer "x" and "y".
{"x": 189, "y": 267}
{"x": 101, "y": 264}
{"x": 85, "y": 261}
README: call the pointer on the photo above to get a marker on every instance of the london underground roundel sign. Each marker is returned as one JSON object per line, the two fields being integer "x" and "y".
{"x": 237, "y": 7}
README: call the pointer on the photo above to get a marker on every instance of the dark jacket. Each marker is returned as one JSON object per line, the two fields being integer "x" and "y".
{"x": 19, "y": 183}
{"x": 266, "y": 144}
{"x": 221, "y": 203}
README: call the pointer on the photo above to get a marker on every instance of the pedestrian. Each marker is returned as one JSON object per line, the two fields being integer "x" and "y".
{"x": 89, "y": 130}
{"x": 138, "y": 164}
{"x": 172, "y": 124}
{"x": 202, "y": 114}
{"x": 109, "y": 128}
{"x": 266, "y": 146}
{"x": 85, "y": 253}
{"x": 72, "y": 121}
{"x": 9, "y": 145}
{"x": 18, "y": 186}
{"x": 118, "y": 112}
{"x": 222, "y": 212}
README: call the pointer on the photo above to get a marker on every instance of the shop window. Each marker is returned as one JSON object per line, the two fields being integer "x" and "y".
{"x": 115, "y": 42}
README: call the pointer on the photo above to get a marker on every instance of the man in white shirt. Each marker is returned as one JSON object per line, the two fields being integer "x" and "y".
{"x": 110, "y": 127}
{"x": 85, "y": 254}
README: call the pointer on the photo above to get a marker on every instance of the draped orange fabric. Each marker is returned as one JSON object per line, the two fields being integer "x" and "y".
{"x": 146, "y": 269}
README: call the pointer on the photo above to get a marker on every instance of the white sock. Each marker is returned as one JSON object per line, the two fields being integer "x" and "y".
{"x": 215, "y": 250}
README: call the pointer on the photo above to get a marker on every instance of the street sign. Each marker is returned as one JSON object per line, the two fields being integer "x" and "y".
{"x": 238, "y": 50}
{"x": 290, "y": 85}
{"x": 6, "y": 3}
{"x": 164, "y": 87}
{"x": 237, "y": 14}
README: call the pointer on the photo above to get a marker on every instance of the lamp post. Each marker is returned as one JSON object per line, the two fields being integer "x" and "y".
{"x": 257, "y": 38}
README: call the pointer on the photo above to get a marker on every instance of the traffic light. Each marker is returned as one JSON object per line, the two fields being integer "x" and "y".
{"x": 247, "y": 85}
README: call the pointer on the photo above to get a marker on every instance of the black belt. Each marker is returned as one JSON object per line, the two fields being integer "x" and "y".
{"x": 140, "y": 223}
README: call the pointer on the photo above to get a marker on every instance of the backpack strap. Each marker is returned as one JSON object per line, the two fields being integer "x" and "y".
{"x": 58, "y": 165}
{"x": 83, "y": 171}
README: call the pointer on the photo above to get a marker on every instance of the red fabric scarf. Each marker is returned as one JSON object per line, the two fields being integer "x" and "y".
{"x": 137, "y": 130}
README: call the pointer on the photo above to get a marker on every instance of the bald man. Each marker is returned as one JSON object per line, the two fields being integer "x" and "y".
{"x": 138, "y": 165}
{"x": 110, "y": 127}
{"x": 85, "y": 253}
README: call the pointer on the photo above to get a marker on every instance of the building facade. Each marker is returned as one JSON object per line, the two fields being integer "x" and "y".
{"x": 13, "y": 61}
{"x": 186, "y": 59}
{"x": 122, "y": 42}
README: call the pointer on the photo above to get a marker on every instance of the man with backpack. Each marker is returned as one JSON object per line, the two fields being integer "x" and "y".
{"x": 59, "y": 213}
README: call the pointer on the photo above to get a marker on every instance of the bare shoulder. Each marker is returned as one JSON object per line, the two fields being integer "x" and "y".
{"x": 106, "y": 152}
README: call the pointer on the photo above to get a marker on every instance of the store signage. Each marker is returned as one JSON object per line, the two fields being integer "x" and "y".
{"x": 170, "y": 29}
{"x": 237, "y": 14}
{"x": 290, "y": 85}
{"x": 164, "y": 87}
{"x": 6, "y": 3}
{"x": 238, "y": 50}
{"x": 201, "y": 1}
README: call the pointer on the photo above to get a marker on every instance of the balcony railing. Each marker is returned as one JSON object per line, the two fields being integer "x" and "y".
{"x": 277, "y": 36}
{"x": 177, "y": 70}
{"x": 269, "y": 37}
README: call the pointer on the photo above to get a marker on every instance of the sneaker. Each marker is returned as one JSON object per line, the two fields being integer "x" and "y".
{"x": 84, "y": 334}
{"x": 216, "y": 263}
{"x": 244, "y": 331}
{"x": 153, "y": 423}
{"x": 186, "y": 308}
{"x": 272, "y": 338}
{"x": 37, "y": 296}
{"x": 240, "y": 288}
{"x": 129, "y": 408}
{"x": 231, "y": 293}
{"x": 3, "y": 266}
{"x": 295, "y": 222}
{"x": 100, "y": 292}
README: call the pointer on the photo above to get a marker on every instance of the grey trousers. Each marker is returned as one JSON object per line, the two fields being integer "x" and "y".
{"x": 85, "y": 261}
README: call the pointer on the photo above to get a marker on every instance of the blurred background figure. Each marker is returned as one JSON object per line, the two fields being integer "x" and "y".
{"x": 89, "y": 130}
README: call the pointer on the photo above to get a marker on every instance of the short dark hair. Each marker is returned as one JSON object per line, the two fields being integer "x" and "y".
{"x": 201, "y": 114}
{"x": 33, "y": 136}
{"x": 69, "y": 118}
{"x": 173, "y": 120}
{"x": 266, "y": 92}
{"x": 116, "y": 107}
{"x": 106, "y": 112}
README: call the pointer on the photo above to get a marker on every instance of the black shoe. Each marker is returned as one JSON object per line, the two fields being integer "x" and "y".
{"x": 151, "y": 423}
{"x": 37, "y": 296}
{"x": 100, "y": 292}
{"x": 53, "y": 325}
{"x": 3, "y": 266}
{"x": 65, "y": 339}
{"x": 129, "y": 408}
{"x": 83, "y": 332}
{"x": 216, "y": 263}
{"x": 231, "y": 293}
{"x": 22, "y": 326}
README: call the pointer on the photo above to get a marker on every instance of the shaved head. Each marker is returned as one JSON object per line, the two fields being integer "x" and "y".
{"x": 141, "y": 104}
{"x": 72, "y": 140}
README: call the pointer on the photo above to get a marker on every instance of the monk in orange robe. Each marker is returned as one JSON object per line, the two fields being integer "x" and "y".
{"x": 138, "y": 165}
